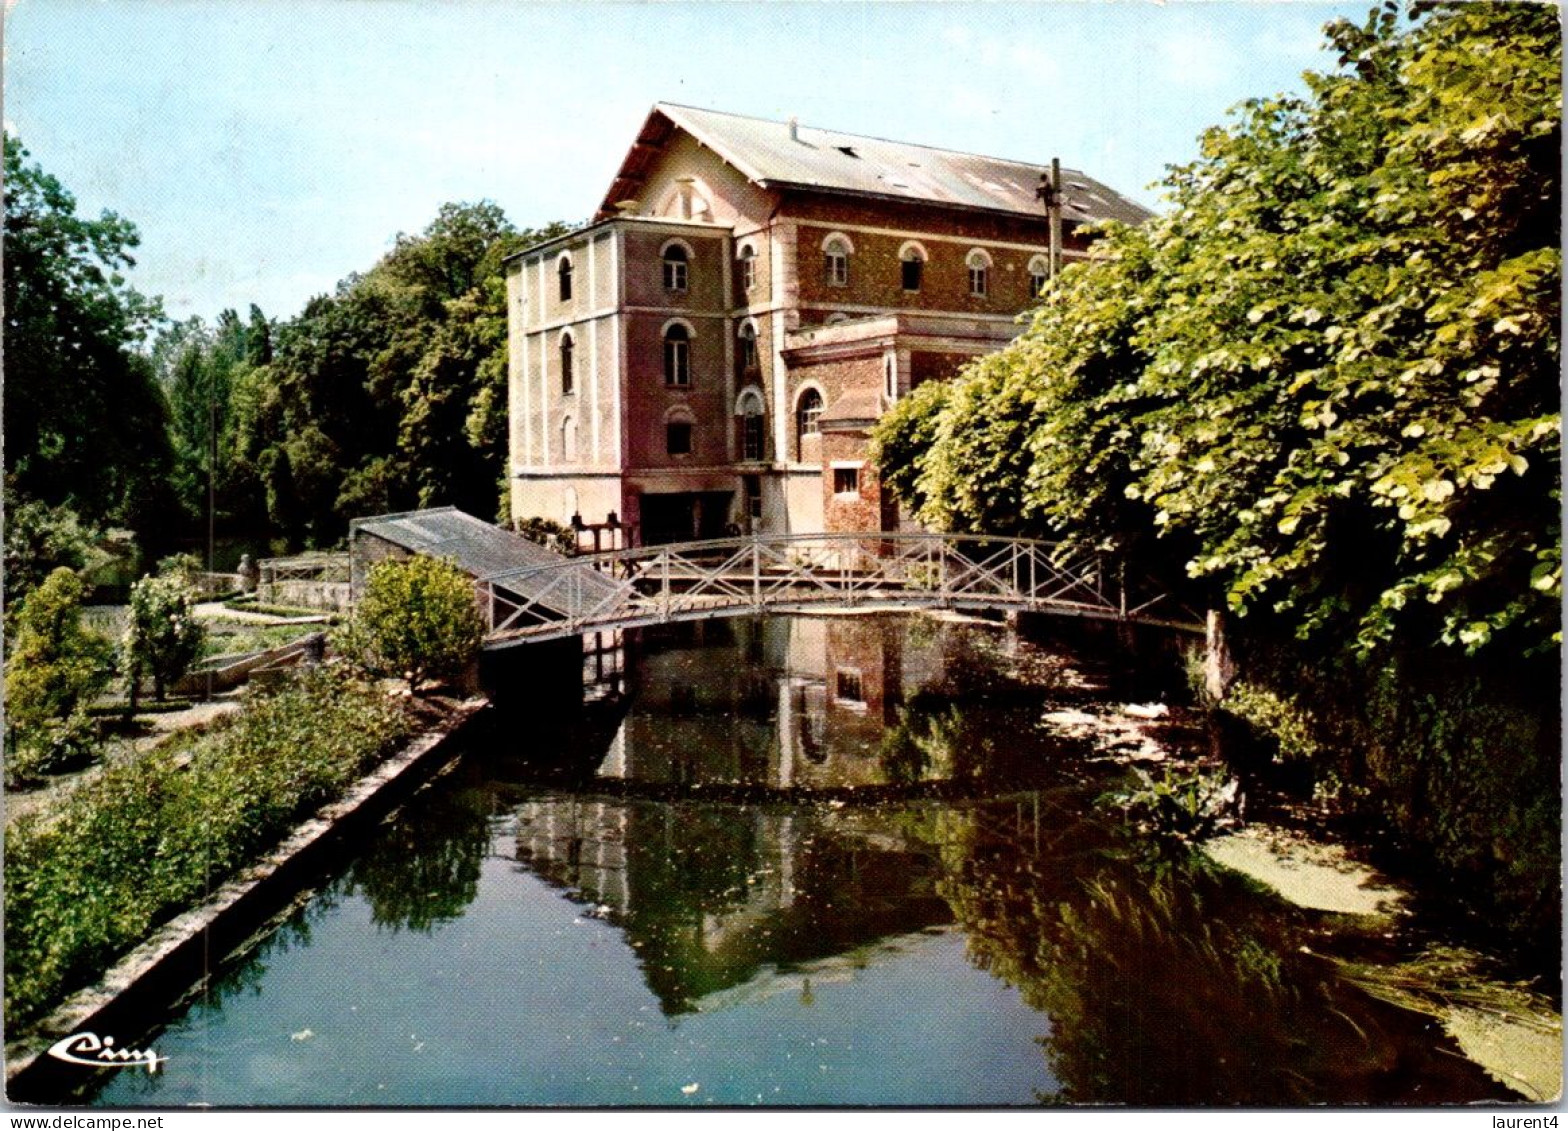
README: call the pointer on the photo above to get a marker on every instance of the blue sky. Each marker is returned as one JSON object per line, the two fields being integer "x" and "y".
{"x": 267, "y": 148}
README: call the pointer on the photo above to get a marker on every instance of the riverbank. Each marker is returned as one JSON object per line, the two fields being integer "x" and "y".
{"x": 132, "y": 859}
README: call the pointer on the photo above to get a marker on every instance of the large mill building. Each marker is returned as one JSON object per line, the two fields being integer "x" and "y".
{"x": 709, "y": 354}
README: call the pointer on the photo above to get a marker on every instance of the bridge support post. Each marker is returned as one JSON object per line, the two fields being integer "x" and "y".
{"x": 1219, "y": 666}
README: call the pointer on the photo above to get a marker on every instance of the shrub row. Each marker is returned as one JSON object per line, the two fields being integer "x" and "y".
{"x": 149, "y": 839}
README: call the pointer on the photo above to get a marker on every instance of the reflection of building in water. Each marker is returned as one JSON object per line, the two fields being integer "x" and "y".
{"x": 712, "y": 895}
{"x": 808, "y": 707}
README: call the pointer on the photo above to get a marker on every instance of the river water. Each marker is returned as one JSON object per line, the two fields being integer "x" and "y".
{"x": 818, "y": 861}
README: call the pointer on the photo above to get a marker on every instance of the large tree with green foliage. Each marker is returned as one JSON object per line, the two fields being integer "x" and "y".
{"x": 390, "y": 393}
{"x": 85, "y": 424}
{"x": 1324, "y": 382}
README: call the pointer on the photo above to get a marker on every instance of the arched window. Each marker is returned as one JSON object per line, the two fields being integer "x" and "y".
{"x": 748, "y": 267}
{"x": 836, "y": 250}
{"x": 569, "y": 440}
{"x": 676, "y": 262}
{"x": 912, "y": 265}
{"x": 748, "y": 347}
{"x": 563, "y": 271}
{"x": 568, "y": 372}
{"x": 751, "y": 425}
{"x": 677, "y": 356}
{"x": 808, "y": 419}
{"x": 979, "y": 264}
{"x": 1039, "y": 274}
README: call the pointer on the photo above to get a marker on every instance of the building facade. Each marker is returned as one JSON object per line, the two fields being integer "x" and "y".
{"x": 709, "y": 355}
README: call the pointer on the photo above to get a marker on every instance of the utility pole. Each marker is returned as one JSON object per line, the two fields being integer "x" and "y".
{"x": 1050, "y": 194}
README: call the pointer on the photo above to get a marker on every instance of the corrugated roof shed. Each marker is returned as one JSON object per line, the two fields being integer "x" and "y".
{"x": 486, "y": 551}
{"x": 781, "y": 156}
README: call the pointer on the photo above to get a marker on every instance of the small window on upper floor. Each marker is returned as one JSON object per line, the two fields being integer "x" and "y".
{"x": 979, "y": 273}
{"x": 748, "y": 267}
{"x": 751, "y": 430}
{"x": 808, "y": 419}
{"x": 846, "y": 480}
{"x": 1039, "y": 275}
{"x": 835, "y": 262}
{"x": 911, "y": 266}
{"x": 677, "y": 356}
{"x": 675, "y": 267}
{"x": 748, "y": 348}
{"x": 677, "y": 437}
{"x": 563, "y": 271}
{"x": 568, "y": 372}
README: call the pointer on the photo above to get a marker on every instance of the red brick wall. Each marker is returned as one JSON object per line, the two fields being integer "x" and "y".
{"x": 647, "y": 398}
{"x": 867, "y": 509}
{"x": 644, "y": 268}
{"x": 874, "y": 269}
{"x": 925, "y": 366}
{"x": 834, "y": 379}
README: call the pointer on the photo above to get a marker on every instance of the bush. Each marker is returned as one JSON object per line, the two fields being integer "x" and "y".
{"x": 418, "y": 619}
{"x": 147, "y": 839}
{"x": 163, "y": 638}
{"x": 548, "y": 533}
{"x": 56, "y": 668}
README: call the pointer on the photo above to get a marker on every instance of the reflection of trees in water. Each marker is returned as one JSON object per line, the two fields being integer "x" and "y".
{"x": 939, "y": 735}
{"x": 423, "y": 868}
{"x": 1168, "y": 981}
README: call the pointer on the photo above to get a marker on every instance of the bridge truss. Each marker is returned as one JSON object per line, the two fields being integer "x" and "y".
{"x": 780, "y": 573}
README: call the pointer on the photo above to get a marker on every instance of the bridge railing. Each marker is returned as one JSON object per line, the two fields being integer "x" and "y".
{"x": 781, "y": 572}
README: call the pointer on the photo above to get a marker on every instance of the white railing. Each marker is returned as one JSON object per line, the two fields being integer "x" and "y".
{"x": 798, "y": 572}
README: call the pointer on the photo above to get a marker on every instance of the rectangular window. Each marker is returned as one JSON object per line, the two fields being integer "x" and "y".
{"x": 754, "y": 498}
{"x": 846, "y": 480}
{"x": 911, "y": 272}
{"x": 848, "y": 686}
{"x": 751, "y": 436}
{"x": 835, "y": 266}
{"x": 674, "y": 275}
{"x": 677, "y": 438}
{"x": 748, "y": 272}
{"x": 1037, "y": 284}
{"x": 977, "y": 281}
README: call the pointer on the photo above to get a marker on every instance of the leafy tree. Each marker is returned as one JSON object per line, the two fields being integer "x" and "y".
{"x": 418, "y": 617}
{"x": 1325, "y": 382}
{"x": 54, "y": 670}
{"x": 40, "y": 539}
{"x": 163, "y": 637}
{"x": 85, "y": 423}
{"x": 391, "y": 393}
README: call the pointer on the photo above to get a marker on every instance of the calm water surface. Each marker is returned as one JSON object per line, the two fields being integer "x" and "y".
{"x": 800, "y": 861}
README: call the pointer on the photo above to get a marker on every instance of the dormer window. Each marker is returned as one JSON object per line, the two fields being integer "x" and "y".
{"x": 676, "y": 262}
{"x": 563, "y": 271}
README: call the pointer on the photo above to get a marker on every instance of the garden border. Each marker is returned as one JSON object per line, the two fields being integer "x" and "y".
{"x": 177, "y": 954}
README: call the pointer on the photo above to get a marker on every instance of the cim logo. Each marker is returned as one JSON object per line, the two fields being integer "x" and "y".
{"x": 95, "y": 1052}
